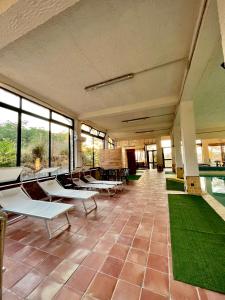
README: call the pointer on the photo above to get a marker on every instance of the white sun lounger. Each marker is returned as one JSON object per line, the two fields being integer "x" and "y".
{"x": 16, "y": 201}
{"x": 92, "y": 180}
{"x": 10, "y": 173}
{"x": 81, "y": 184}
{"x": 53, "y": 188}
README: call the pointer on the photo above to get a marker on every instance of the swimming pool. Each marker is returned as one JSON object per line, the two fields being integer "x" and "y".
{"x": 215, "y": 186}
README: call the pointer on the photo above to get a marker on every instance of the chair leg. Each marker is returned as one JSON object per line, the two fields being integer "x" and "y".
{"x": 48, "y": 229}
{"x": 51, "y": 233}
{"x": 86, "y": 208}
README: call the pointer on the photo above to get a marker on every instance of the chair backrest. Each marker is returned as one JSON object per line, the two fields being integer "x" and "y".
{"x": 10, "y": 173}
{"x": 51, "y": 186}
{"x": 12, "y": 196}
{"x": 89, "y": 178}
{"x": 78, "y": 182}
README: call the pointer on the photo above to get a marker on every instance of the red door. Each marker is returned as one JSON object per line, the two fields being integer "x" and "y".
{"x": 131, "y": 161}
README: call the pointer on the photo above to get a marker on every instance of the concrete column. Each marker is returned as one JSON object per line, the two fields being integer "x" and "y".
{"x": 205, "y": 152}
{"x": 177, "y": 148}
{"x": 188, "y": 136}
{"x": 173, "y": 153}
{"x": 159, "y": 155}
{"x": 78, "y": 152}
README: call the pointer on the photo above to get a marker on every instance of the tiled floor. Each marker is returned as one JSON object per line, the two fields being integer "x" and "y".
{"x": 122, "y": 252}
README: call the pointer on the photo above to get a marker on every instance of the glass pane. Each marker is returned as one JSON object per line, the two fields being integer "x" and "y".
{"x": 61, "y": 119}
{"x": 101, "y": 134}
{"x": 34, "y": 142}
{"x": 168, "y": 163}
{"x": 151, "y": 147}
{"x": 98, "y": 144}
{"x": 140, "y": 155}
{"x": 85, "y": 127}
{"x": 199, "y": 153}
{"x": 87, "y": 150}
{"x": 110, "y": 146}
{"x": 9, "y": 98}
{"x": 35, "y": 108}
{"x": 8, "y": 137}
{"x": 167, "y": 153}
{"x": 94, "y": 131}
{"x": 60, "y": 147}
{"x": 110, "y": 140}
{"x": 215, "y": 154}
{"x": 166, "y": 143}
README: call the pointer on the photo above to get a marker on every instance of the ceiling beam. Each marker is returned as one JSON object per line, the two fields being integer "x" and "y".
{"x": 139, "y": 106}
{"x": 142, "y": 135}
{"x": 207, "y": 41}
{"x": 133, "y": 129}
{"x": 18, "y": 17}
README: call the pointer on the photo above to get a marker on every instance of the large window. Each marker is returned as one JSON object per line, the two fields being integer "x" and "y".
{"x": 34, "y": 142}
{"x": 98, "y": 145}
{"x": 216, "y": 154}
{"x": 199, "y": 151}
{"x": 111, "y": 144}
{"x": 60, "y": 147}
{"x": 34, "y": 136}
{"x": 167, "y": 153}
{"x": 92, "y": 143}
{"x": 8, "y": 137}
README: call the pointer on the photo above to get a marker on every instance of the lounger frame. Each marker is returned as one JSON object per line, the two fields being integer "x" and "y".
{"x": 46, "y": 219}
{"x": 87, "y": 209}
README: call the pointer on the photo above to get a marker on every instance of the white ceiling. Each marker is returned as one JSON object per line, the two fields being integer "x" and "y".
{"x": 96, "y": 40}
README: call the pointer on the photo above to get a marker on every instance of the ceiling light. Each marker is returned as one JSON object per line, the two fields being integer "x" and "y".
{"x": 137, "y": 119}
{"x": 152, "y": 130}
{"x": 108, "y": 82}
{"x": 144, "y": 118}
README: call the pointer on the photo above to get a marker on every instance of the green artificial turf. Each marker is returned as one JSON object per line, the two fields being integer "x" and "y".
{"x": 133, "y": 177}
{"x": 198, "y": 242}
{"x": 174, "y": 185}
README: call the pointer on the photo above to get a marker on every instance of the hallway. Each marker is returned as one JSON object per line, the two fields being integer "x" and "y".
{"x": 122, "y": 252}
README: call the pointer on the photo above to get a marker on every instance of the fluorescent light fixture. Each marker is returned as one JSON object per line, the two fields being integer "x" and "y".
{"x": 108, "y": 82}
{"x": 152, "y": 130}
{"x": 144, "y": 118}
{"x": 137, "y": 119}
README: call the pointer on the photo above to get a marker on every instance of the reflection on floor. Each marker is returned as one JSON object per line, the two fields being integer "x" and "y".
{"x": 215, "y": 186}
{"x": 122, "y": 252}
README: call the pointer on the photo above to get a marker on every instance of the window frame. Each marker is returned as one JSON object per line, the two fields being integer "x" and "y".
{"x": 21, "y": 111}
{"x": 94, "y": 136}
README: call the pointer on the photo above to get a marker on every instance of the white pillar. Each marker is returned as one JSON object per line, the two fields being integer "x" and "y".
{"x": 173, "y": 153}
{"x": 159, "y": 155}
{"x": 177, "y": 146}
{"x": 221, "y": 14}
{"x": 205, "y": 152}
{"x": 191, "y": 170}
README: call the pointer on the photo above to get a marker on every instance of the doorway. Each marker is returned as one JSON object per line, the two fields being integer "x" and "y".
{"x": 152, "y": 158}
{"x": 131, "y": 161}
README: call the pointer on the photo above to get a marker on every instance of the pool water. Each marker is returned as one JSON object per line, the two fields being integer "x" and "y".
{"x": 214, "y": 186}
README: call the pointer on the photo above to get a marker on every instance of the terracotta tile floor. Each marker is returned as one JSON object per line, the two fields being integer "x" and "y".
{"x": 122, "y": 252}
